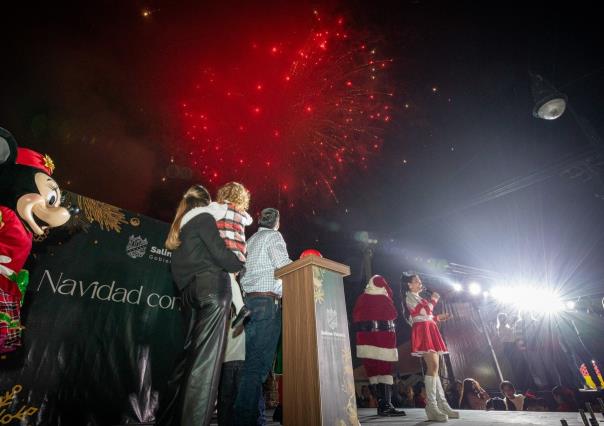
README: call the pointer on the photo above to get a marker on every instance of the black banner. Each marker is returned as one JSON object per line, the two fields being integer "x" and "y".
{"x": 102, "y": 322}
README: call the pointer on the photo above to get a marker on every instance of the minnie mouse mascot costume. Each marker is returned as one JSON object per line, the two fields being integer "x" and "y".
{"x": 30, "y": 203}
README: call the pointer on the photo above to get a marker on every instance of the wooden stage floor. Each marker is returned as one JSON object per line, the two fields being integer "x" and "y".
{"x": 416, "y": 416}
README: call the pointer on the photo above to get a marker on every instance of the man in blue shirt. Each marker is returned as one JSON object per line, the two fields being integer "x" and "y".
{"x": 266, "y": 252}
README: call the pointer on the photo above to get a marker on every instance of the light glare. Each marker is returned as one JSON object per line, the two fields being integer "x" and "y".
{"x": 474, "y": 288}
{"x": 529, "y": 299}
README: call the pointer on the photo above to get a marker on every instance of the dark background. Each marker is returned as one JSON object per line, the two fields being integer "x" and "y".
{"x": 95, "y": 85}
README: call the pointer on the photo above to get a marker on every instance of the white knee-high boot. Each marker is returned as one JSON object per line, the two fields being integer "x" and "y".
{"x": 432, "y": 410}
{"x": 441, "y": 400}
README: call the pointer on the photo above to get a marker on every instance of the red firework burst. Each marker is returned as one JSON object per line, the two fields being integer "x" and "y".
{"x": 291, "y": 119}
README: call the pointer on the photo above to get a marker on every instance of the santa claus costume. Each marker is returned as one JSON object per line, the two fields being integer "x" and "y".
{"x": 374, "y": 314}
{"x": 426, "y": 340}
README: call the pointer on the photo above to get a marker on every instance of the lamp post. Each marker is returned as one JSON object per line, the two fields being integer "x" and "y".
{"x": 491, "y": 349}
{"x": 550, "y": 104}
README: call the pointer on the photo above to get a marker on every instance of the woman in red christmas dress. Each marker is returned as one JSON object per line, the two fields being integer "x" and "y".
{"x": 427, "y": 343}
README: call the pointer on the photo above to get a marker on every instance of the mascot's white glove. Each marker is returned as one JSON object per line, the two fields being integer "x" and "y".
{"x": 7, "y": 272}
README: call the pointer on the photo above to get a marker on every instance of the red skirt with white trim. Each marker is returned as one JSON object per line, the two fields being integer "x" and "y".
{"x": 425, "y": 337}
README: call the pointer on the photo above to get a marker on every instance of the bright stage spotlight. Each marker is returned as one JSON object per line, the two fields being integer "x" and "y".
{"x": 457, "y": 287}
{"x": 570, "y": 305}
{"x": 499, "y": 293}
{"x": 541, "y": 300}
{"x": 528, "y": 298}
{"x": 474, "y": 288}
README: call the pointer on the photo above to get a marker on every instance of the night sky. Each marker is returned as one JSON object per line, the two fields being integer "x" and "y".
{"x": 464, "y": 172}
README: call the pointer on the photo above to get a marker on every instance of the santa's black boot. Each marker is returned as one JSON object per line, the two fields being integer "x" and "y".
{"x": 385, "y": 407}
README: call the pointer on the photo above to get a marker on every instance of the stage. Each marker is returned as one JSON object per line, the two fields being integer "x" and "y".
{"x": 416, "y": 416}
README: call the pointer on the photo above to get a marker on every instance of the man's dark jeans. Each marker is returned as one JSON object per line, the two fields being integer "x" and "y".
{"x": 261, "y": 338}
{"x": 227, "y": 392}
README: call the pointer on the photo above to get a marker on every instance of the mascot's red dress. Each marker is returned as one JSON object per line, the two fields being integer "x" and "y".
{"x": 374, "y": 314}
{"x": 29, "y": 204}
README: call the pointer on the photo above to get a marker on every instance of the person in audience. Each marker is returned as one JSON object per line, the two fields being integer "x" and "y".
{"x": 565, "y": 399}
{"x": 505, "y": 332}
{"x": 473, "y": 396}
{"x": 535, "y": 404}
{"x": 407, "y": 395}
{"x": 496, "y": 404}
{"x": 367, "y": 398}
{"x": 410, "y": 393}
{"x": 513, "y": 401}
{"x": 420, "y": 395}
{"x": 505, "y": 329}
{"x": 397, "y": 396}
{"x": 454, "y": 393}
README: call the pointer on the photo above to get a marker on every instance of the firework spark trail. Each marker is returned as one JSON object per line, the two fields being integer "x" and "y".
{"x": 292, "y": 119}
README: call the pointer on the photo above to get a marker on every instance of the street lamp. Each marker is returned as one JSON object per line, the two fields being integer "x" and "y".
{"x": 549, "y": 102}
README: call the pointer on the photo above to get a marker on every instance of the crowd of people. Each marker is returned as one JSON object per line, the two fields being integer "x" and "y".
{"x": 469, "y": 395}
{"x": 537, "y": 360}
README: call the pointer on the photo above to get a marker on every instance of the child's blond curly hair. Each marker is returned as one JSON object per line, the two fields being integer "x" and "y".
{"x": 235, "y": 193}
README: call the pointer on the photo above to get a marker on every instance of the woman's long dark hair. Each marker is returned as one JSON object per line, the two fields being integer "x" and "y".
{"x": 466, "y": 388}
{"x": 196, "y": 196}
{"x": 406, "y": 278}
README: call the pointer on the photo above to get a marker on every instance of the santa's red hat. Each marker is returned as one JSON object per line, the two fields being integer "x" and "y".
{"x": 31, "y": 158}
{"x": 375, "y": 304}
{"x": 376, "y": 283}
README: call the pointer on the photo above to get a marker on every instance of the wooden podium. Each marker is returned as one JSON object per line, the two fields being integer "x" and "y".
{"x": 318, "y": 382}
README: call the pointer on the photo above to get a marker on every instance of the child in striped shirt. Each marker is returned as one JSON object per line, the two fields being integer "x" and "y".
{"x": 231, "y": 227}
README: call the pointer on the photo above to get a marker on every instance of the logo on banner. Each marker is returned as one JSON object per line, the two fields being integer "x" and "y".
{"x": 331, "y": 322}
{"x": 137, "y": 246}
{"x": 332, "y": 318}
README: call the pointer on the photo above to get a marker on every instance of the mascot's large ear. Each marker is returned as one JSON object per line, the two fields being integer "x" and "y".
{"x": 8, "y": 148}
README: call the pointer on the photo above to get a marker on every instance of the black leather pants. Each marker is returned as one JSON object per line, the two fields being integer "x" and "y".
{"x": 193, "y": 385}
